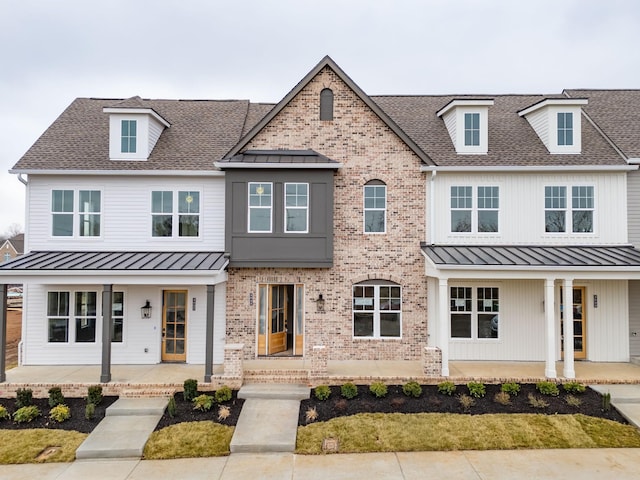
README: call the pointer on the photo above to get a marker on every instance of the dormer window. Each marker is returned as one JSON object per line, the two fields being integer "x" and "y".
{"x": 326, "y": 104}
{"x": 565, "y": 128}
{"x": 467, "y": 121}
{"x": 128, "y": 135}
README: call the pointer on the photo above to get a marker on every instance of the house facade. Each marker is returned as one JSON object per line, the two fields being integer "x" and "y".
{"x": 12, "y": 247}
{"x": 485, "y": 227}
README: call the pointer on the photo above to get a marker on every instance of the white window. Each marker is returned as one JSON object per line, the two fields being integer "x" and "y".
{"x": 168, "y": 221}
{"x": 461, "y": 208}
{"x": 85, "y": 316}
{"x": 128, "y": 136}
{"x": 7, "y": 257}
{"x": 58, "y": 317}
{"x": 377, "y": 310}
{"x": 481, "y": 216}
{"x": 375, "y": 207}
{"x": 260, "y": 207}
{"x": 565, "y": 128}
{"x": 87, "y": 211}
{"x": 296, "y": 207}
{"x": 557, "y": 209}
{"x": 474, "y": 312}
{"x": 471, "y": 129}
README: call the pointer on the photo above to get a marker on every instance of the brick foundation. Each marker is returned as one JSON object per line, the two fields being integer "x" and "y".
{"x": 319, "y": 363}
{"x": 432, "y": 362}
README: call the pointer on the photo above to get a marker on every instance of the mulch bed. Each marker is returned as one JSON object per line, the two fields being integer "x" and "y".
{"x": 186, "y": 413}
{"x": 431, "y": 401}
{"x": 77, "y": 421}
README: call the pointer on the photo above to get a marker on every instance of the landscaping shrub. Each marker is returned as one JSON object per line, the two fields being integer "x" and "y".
{"x": 223, "y": 412}
{"x": 379, "y": 389}
{"x": 190, "y": 389}
{"x": 26, "y": 414}
{"x": 476, "y": 389}
{"x": 511, "y": 388}
{"x": 322, "y": 392}
{"x": 466, "y": 402}
{"x": 94, "y": 394}
{"x": 311, "y": 415}
{"x": 4, "y": 414}
{"x": 503, "y": 398}
{"x": 606, "y": 402}
{"x": 537, "y": 402}
{"x": 447, "y": 388}
{"x": 574, "y": 387}
{"x": 172, "y": 409}
{"x": 573, "y": 401}
{"x": 548, "y": 388}
{"x": 90, "y": 411}
{"x": 349, "y": 390}
{"x": 412, "y": 389}
{"x": 55, "y": 397}
{"x": 24, "y": 397}
{"x": 60, "y": 413}
{"x": 203, "y": 403}
{"x": 223, "y": 394}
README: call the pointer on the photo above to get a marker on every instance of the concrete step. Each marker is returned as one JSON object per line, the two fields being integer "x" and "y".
{"x": 274, "y": 391}
{"x": 137, "y": 406}
{"x": 292, "y": 376}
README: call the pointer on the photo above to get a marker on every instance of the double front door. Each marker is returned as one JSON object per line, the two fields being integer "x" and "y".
{"x": 577, "y": 304}
{"x": 280, "y": 319}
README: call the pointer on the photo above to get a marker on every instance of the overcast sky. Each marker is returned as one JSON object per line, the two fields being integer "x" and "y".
{"x": 54, "y": 51}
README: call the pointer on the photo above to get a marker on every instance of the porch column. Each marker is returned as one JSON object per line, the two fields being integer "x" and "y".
{"x": 208, "y": 349}
{"x": 107, "y": 327}
{"x": 550, "y": 322}
{"x": 443, "y": 320}
{"x": 567, "y": 308}
{"x": 3, "y": 332}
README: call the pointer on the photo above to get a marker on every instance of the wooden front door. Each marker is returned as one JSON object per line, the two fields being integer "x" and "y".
{"x": 280, "y": 319}
{"x": 174, "y": 326}
{"x": 579, "y": 323}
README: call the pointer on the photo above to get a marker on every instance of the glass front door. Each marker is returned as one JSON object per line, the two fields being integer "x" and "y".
{"x": 174, "y": 326}
{"x": 579, "y": 323}
{"x": 280, "y": 319}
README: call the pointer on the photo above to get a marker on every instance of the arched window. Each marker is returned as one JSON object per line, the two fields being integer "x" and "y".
{"x": 326, "y": 104}
{"x": 375, "y": 207}
{"x": 377, "y": 309}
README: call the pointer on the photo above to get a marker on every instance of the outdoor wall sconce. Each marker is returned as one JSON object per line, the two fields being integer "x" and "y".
{"x": 145, "y": 310}
{"x": 320, "y": 303}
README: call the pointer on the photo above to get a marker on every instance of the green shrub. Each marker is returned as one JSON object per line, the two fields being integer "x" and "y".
{"x": 203, "y": 403}
{"x": 466, "y": 402}
{"x": 190, "y": 389}
{"x": 55, "y": 397}
{"x": 476, "y": 389}
{"x": 606, "y": 402}
{"x": 574, "y": 387}
{"x": 26, "y": 414}
{"x": 90, "y": 411}
{"x": 349, "y": 390}
{"x": 94, "y": 394}
{"x": 322, "y": 392}
{"x": 223, "y": 394}
{"x": 60, "y": 413}
{"x": 24, "y": 397}
{"x": 171, "y": 407}
{"x": 447, "y": 388}
{"x": 548, "y": 388}
{"x": 537, "y": 402}
{"x": 412, "y": 389}
{"x": 4, "y": 414}
{"x": 511, "y": 388}
{"x": 379, "y": 389}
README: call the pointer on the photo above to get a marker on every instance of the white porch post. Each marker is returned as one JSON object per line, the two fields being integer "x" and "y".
{"x": 567, "y": 304}
{"x": 443, "y": 320}
{"x": 550, "y": 337}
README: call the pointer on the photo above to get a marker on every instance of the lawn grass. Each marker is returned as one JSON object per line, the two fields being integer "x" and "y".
{"x": 189, "y": 440}
{"x": 376, "y": 432}
{"x": 23, "y": 446}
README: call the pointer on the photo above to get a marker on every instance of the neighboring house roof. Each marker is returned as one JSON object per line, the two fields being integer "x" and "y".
{"x": 18, "y": 243}
{"x": 278, "y": 159}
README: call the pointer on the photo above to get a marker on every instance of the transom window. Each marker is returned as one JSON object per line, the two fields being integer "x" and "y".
{"x": 296, "y": 207}
{"x": 87, "y": 211}
{"x": 474, "y": 312}
{"x": 375, "y": 207}
{"x": 556, "y": 209}
{"x": 128, "y": 136}
{"x": 260, "y": 207}
{"x": 472, "y": 129}
{"x": 377, "y": 310}
{"x": 165, "y": 217}
{"x": 466, "y": 218}
{"x": 565, "y": 128}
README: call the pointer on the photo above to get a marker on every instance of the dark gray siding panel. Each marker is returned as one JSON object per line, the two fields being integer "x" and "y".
{"x": 313, "y": 249}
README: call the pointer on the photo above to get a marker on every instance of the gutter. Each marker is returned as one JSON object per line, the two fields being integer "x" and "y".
{"x": 533, "y": 168}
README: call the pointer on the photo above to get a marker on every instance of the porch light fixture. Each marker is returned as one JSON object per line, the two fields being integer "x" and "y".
{"x": 145, "y": 310}
{"x": 320, "y": 303}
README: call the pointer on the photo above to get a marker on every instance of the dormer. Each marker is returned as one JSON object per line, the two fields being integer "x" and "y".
{"x": 467, "y": 121}
{"x": 133, "y": 130}
{"x": 558, "y": 123}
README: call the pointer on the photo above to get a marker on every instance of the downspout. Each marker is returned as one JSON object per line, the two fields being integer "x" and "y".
{"x": 432, "y": 197}
{"x": 22, "y": 180}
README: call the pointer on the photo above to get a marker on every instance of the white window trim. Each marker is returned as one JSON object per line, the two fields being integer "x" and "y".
{"x": 76, "y": 214}
{"x": 483, "y": 147}
{"x": 306, "y": 230}
{"x": 569, "y": 210}
{"x": 249, "y": 207}
{"x": 175, "y": 214}
{"x": 474, "y": 314}
{"x": 574, "y": 148}
{"x": 475, "y": 210}
{"x": 365, "y": 209}
{"x": 376, "y": 313}
{"x": 122, "y": 136}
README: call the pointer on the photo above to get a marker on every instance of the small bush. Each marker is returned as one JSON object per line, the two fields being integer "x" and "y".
{"x": 573, "y": 401}
{"x": 476, "y": 389}
{"x": 447, "y": 388}
{"x": 223, "y": 413}
{"x": 574, "y": 387}
{"x": 90, "y": 411}
{"x": 203, "y": 402}
{"x": 55, "y": 397}
{"x": 466, "y": 402}
{"x": 503, "y": 398}
{"x": 349, "y": 390}
{"x": 322, "y": 392}
{"x": 171, "y": 407}
{"x": 511, "y": 388}
{"x": 311, "y": 415}
{"x": 24, "y": 397}
{"x": 341, "y": 405}
{"x": 223, "y": 394}
{"x": 412, "y": 389}
{"x": 26, "y": 414}
{"x": 378, "y": 389}
{"x": 60, "y": 413}
{"x": 537, "y": 402}
{"x": 4, "y": 414}
{"x": 190, "y": 389}
{"x": 94, "y": 394}
{"x": 548, "y": 388}
{"x": 606, "y": 402}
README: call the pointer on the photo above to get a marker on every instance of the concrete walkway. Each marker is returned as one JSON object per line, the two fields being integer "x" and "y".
{"x": 626, "y": 398}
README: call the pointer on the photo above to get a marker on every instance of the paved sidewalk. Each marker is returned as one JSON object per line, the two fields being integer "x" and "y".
{"x": 587, "y": 464}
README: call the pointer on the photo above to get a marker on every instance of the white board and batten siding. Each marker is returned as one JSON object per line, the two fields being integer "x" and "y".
{"x": 634, "y": 318}
{"x": 633, "y": 206}
{"x": 126, "y": 213}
